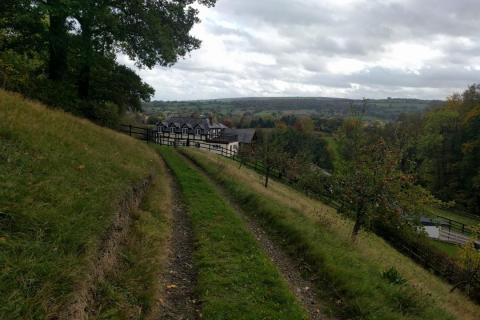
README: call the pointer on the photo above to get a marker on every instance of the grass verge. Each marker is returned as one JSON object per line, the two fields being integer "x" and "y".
{"x": 451, "y": 249}
{"x": 352, "y": 275}
{"x": 132, "y": 290}
{"x": 235, "y": 279}
{"x": 467, "y": 219}
{"x": 61, "y": 180}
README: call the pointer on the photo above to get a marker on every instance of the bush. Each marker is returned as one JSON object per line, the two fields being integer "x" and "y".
{"x": 106, "y": 114}
{"x": 393, "y": 276}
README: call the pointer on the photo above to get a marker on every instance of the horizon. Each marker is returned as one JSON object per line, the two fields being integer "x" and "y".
{"x": 294, "y": 97}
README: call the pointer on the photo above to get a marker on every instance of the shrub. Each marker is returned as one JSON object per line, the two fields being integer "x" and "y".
{"x": 393, "y": 276}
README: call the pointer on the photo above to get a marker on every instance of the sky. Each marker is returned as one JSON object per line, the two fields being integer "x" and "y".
{"x": 427, "y": 49}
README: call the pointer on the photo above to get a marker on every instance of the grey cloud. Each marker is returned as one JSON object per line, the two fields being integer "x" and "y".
{"x": 304, "y": 36}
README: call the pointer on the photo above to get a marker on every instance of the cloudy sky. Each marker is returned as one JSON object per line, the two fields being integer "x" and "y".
{"x": 337, "y": 48}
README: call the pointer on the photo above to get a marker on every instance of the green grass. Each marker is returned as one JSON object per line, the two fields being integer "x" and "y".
{"x": 60, "y": 181}
{"x": 132, "y": 290}
{"x": 467, "y": 219}
{"x": 333, "y": 149}
{"x": 235, "y": 279}
{"x": 353, "y": 283}
{"x": 451, "y": 249}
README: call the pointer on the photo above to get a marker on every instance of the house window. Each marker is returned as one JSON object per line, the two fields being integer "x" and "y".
{"x": 199, "y": 132}
{"x": 185, "y": 131}
{"x": 172, "y": 130}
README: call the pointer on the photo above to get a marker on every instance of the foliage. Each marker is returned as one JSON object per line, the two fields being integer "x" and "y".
{"x": 56, "y": 45}
{"x": 470, "y": 259}
{"x": 445, "y": 149}
{"x": 370, "y": 182}
{"x": 393, "y": 276}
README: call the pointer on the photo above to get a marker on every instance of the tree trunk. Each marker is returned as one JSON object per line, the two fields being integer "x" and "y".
{"x": 86, "y": 61}
{"x": 267, "y": 175}
{"x": 57, "y": 49}
{"x": 358, "y": 223}
{"x": 356, "y": 230}
{"x": 84, "y": 82}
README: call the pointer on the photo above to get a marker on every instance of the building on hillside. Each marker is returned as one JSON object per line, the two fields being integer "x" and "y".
{"x": 203, "y": 133}
{"x": 244, "y": 136}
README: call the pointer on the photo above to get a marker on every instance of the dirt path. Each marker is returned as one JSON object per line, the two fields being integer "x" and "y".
{"x": 178, "y": 301}
{"x": 303, "y": 289}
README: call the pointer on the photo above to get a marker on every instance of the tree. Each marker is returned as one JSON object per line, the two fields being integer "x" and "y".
{"x": 440, "y": 147}
{"x": 77, "y": 38}
{"x": 470, "y": 259}
{"x": 269, "y": 153}
{"x": 369, "y": 181}
{"x": 447, "y": 150}
{"x": 150, "y": 33}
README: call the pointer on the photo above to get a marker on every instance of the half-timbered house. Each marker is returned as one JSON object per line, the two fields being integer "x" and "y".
{"x": 198, "y": 132}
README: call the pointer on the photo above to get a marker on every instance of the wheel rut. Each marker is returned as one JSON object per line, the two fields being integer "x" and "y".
{"x": 303, "y": 288}
{"x": 179, "y": 301}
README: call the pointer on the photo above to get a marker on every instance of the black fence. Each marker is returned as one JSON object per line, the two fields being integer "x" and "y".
{"x": 153, "y": 136}
{"x": 454, "y": 226}
{"x": 144, "y": 134}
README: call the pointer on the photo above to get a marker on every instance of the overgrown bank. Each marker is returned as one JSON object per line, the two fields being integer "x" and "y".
{"x": 317, "y": 234}
{"x": 132, "y": 290}
{"x": 61, "y": 182}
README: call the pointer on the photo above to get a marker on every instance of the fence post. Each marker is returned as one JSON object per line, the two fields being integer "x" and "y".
{"x": 130, "y": 127}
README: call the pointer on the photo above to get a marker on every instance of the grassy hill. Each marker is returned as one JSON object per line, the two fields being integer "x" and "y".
{"x": 62, "y": 183}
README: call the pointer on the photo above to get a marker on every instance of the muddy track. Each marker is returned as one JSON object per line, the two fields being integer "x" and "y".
{"x": 303, "y": 288}
{"x": 178, "y": 302}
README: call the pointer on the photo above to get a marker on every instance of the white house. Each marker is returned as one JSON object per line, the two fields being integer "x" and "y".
{"x": 200, "y": 132}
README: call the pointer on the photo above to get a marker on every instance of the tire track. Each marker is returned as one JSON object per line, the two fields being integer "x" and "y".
{"x": 179, "y": 301}
{"x": 303, "y": 288}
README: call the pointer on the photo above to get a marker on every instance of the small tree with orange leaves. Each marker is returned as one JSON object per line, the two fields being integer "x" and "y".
{"x": 470, "y": 260}
{"x": 370, "y": 183}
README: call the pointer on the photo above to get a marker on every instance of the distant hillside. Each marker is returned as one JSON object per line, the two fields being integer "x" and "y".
{"x": 381, "y": 109}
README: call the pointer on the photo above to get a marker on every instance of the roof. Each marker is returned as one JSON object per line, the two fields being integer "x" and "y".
{"x": 191, "y": 122}
{"x": 244, "y": 135}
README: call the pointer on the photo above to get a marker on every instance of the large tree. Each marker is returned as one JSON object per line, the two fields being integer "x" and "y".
{"x": 77, "y": 37}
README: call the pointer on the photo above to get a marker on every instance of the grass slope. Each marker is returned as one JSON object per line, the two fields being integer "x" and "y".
{"x": 60, "y": 181}
{"x": 132, "y": 290}
{"x": 235, "y": 279}
{"x": 350, "y": 274}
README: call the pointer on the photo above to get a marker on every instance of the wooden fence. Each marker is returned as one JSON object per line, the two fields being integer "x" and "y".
{"x": 153, "y": 136}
